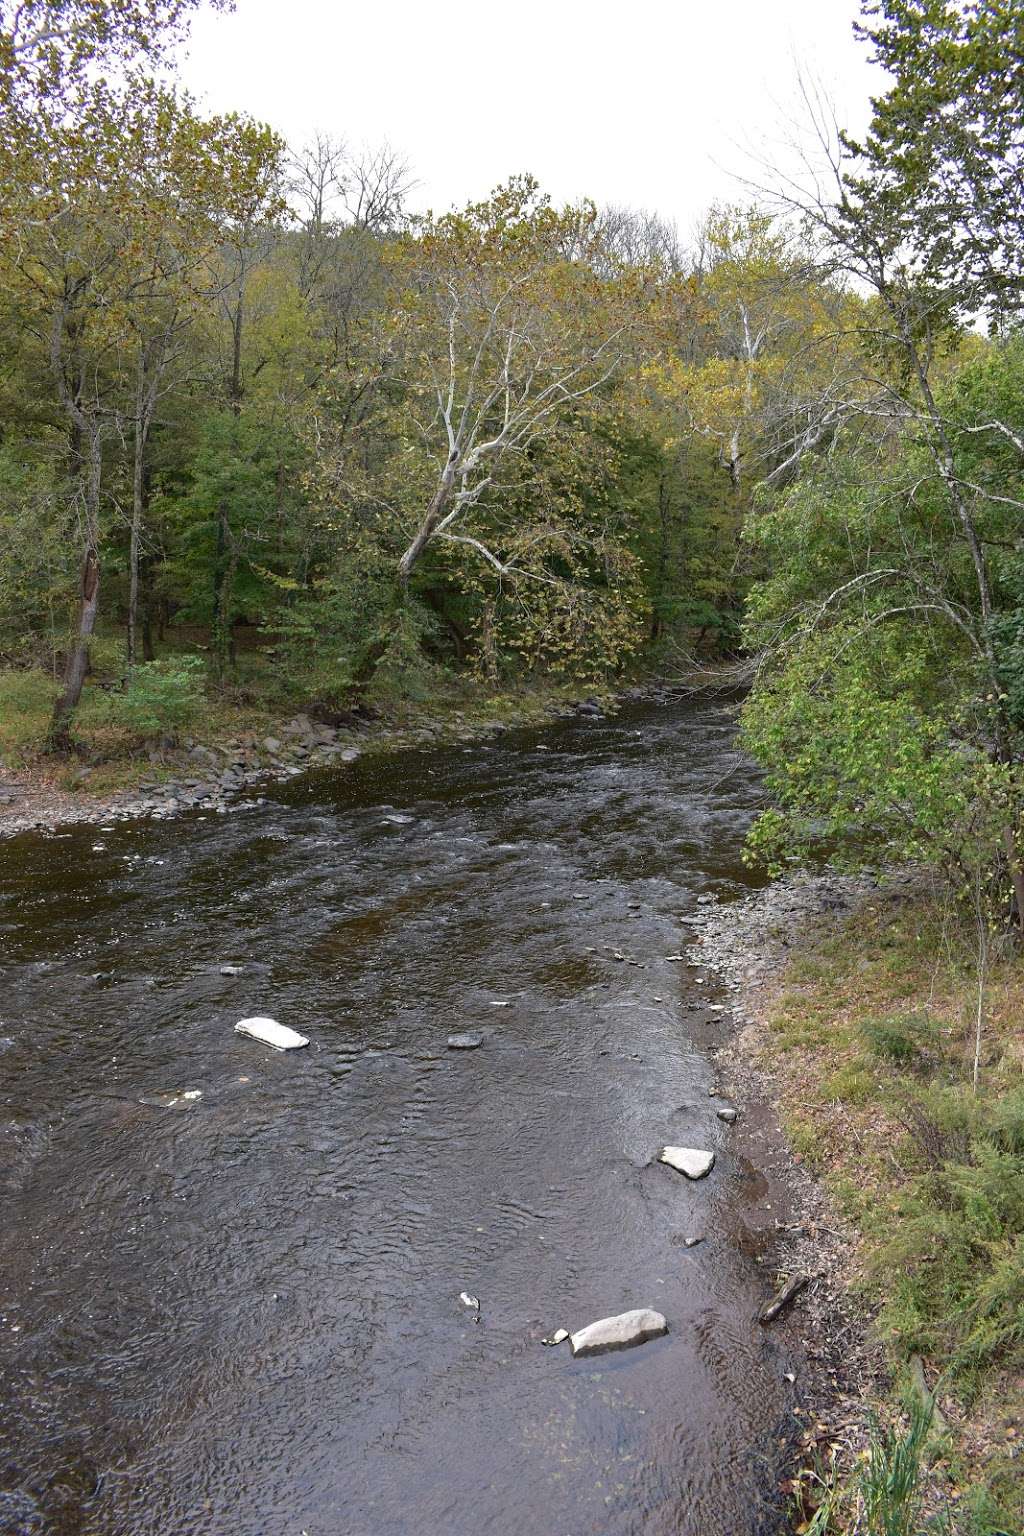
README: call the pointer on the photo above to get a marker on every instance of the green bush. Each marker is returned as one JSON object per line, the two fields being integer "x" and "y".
{"x": 954, "y": 1243}
{"x": 161, "y": 698}
{"x": 898, "y": 1038}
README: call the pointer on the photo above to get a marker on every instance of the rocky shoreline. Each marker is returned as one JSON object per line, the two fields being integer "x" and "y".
{"x": 228, "y": 776}
{"x": 747, "y": 945}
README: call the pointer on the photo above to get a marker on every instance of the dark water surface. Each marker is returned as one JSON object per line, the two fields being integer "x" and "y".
{"x": 242, "y": 1318}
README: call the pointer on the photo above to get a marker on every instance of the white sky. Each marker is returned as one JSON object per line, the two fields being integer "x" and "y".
{"x": 648, "y": 103}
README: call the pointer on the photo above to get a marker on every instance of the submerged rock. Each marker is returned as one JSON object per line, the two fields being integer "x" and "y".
{"x": 465, "y": 1042}
{"x": 175, "y": 1099}
{"x": 270, "y": 1032}
{"x": 231, "y": 970}
{"x": 620, "y": 1332}
{"x": 691, "y": 1161}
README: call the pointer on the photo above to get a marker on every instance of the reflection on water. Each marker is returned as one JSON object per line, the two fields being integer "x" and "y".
{"x": 239, "y": 1315}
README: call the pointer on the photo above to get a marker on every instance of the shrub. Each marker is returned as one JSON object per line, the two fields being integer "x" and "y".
{"x": 161, "y": 698}
{"x": 899, "y": 1038}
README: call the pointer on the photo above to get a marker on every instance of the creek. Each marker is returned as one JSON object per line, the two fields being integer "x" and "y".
{"x": 240, "y": 1316}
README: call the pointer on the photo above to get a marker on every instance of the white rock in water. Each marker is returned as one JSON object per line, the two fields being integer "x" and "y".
{"x": 270, "y": 1032}
{"x": 466, "y": 1042}
{"x": 558, "y": 1337}
{"x": 231, "y": 970}
{"x": 473, "y": 1302}
{"x": 688, "y": 1160}
{"x": 620, "y": 1332}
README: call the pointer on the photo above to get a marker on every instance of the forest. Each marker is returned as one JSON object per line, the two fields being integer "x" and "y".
{"x": 275, "y": 439}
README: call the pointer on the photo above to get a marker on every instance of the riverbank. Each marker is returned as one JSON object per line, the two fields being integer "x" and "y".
{"x": 856, "y": 1009}
{"x": 234, "y": 752}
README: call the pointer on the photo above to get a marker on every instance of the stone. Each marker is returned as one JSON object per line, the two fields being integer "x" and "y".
{"x": 300, "y": 726}
{"x": 465, "y": 1042}
{"x": 690, "y": 1161}
{"x": 621, "y": 1332}
{"x": 270, "y": 1032}
{"x": 271, "y": 744}
{"x": 693, "y": 1242}
{"x": 173, "y": 1100}
{"x": 728, "y": 1114}
{"x": 472, "y": 1302}
{"x": 558, "y": 1337}
{"x": 231, "y": 970}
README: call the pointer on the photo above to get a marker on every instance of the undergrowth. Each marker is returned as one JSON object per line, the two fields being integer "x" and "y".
{"x": 876, "y": 1032}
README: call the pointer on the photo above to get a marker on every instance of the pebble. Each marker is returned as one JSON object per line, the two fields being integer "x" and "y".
{"x": 558, "y": 1337}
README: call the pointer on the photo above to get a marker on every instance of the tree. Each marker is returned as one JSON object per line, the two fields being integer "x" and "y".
{"x": 943, "y": 159}
{"x": 501, "y": 339}
{"x": 129, "y": 199}
{"x": 928, "y": 268}
{"x": 49, "y": 48}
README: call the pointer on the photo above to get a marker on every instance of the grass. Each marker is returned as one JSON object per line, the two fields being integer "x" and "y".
{"x": 873, "y": 1036}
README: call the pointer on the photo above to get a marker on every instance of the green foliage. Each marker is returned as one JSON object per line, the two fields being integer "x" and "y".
{"x": 890, "y": 1480}
{"x": 887, "y": 709}
{"x": 898, "y": 1038}
{"x": 36, "y": 513}
{"x": 160, "y": 698}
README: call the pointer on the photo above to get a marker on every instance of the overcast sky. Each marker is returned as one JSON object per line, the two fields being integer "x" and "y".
{"x": 651, "y": 103}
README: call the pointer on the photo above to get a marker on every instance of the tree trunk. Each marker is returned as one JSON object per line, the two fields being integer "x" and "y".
{"x": 148, "y": 652}
{"x": 428, "y": 527}
{"x": 137, "y": 499}
{"x": 77, "y": 664}
{"x": 223, "y": 588}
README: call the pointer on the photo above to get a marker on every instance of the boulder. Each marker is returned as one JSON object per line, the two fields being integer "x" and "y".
{"x": 465, "y": 1042}
{"x": 620, "y": 1332}
{"x": 690, "y": 1161}
{"x": 728, "y": 1114}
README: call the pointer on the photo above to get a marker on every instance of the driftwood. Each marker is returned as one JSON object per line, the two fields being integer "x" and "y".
{"x": 782, "y": 1298}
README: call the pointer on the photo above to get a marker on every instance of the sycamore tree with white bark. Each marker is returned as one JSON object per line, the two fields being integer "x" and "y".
{"x": 502, "y": 354}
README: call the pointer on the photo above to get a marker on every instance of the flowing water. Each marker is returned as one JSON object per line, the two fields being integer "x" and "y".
{"x": 240, "y": 1316}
